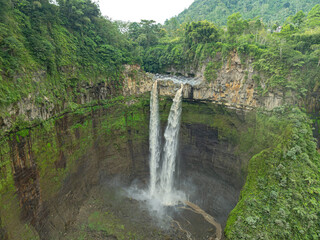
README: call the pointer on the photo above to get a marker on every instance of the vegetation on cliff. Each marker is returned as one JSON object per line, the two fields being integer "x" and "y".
{"x": 47, "y": 48}
{"x": 287, "y": 61}
{"x": 281, "y": 195}
{"x": 35, "y": 163}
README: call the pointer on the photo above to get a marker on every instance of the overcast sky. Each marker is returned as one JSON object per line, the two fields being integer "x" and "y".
{"x": 135, "y": 10}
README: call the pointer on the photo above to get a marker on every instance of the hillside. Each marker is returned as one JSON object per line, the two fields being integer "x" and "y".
{"x": 47, "y": 48}
{"x": 217, "y": 11}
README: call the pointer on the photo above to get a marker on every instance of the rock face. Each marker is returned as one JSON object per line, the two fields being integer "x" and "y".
{"x": 136, "y": 81}
{"x": 233, "y": 86}
{"x": 29, "y": 110}
{"x": 37, "y": 161}
{"x": 236, "y": 84}
{"x": 202, "y": 155}
{"x": 26, "y": 177}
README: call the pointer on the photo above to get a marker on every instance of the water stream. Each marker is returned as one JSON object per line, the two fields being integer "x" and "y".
{"x": 154, "y": 138}
{"x": 161, "y": 185}
{"x": 171, "y": 134}
{"x": 193, "y": 81}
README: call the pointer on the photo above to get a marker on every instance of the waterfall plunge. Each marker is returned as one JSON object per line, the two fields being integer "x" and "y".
{"x": 154, "y": 138}
{"x": 164, "y": 189}
{"x": 170, "y": 148}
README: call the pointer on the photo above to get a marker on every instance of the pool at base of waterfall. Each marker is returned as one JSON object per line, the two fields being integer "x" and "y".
{"x": 110, "y": 213}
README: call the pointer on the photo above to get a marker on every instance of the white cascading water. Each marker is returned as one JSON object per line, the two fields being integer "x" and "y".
{"x": 154, "y": 138}
{"x": 170, "y": 150}
{"x": 161, "y": 187}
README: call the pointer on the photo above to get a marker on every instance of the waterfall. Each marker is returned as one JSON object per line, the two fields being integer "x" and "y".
{"x": 161, "y": 185}
{"x": 154, "y": 138}
{"x": 170, "y": 149}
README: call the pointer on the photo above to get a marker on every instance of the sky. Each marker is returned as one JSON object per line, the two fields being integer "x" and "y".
{"x": 135, "y": 10}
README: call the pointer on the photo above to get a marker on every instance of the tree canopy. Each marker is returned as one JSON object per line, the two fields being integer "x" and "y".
{"x": 270, "y": 11}
{"x": 70, "y": 34}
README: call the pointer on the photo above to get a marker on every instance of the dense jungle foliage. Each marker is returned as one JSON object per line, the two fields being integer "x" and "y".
{"x": 63, "y": 42}
{"x": 270, "y": 11}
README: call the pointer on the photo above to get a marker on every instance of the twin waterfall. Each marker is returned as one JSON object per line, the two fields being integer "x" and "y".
{"x": 162, "y": 179}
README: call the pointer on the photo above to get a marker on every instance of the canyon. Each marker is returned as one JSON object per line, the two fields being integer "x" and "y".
{"x": 187, "y": 130}
{"x": 66, "y": 173}
{"x": 63, "y": 168}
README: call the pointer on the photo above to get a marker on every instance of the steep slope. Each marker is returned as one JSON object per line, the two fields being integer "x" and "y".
{"x": 281, "y": 195}
{"x": 270, "y": 11}
{"x": 47, "y": 49}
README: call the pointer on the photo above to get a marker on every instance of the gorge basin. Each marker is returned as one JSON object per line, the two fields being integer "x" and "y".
{"x": 75, "y": 177}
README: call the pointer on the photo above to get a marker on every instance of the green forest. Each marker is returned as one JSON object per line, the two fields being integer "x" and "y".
{"x": 66, "y": 42}
{"x": 270, "y": 11}
{"x": 48, "y": 48}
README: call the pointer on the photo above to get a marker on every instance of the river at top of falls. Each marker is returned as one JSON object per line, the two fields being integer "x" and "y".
{"x": 178, "y": 79}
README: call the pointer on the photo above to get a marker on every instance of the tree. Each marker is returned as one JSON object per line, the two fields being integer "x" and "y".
{"x": 4, "y": 5}
{"x": 236, "y": 25}
{"x": 151, "y": 30}
{"x": 78, "y": 13}
{"x": 201, "y": 32}
{"x": 172, "y": 26}
{"x": 287, "y": 30}
{"x": 146, "y": 33}
{"x": 298, "y": 18}
{"x": 313, "y": 18}
{"x": 123, "y": 27}
{"x": 134, "y": 30}
{"x": 316, "y": 53}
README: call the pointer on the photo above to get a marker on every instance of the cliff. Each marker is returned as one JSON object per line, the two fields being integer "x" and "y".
{"x": 235, "y": 85}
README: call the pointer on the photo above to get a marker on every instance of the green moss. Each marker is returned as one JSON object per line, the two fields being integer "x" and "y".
{"x": 6, "y": 176}
{"x": 23, "y": 133}
{"x": 126, "y": 119}
{"x": 251, "y": 132}
{"x": 10, "y": 216}
{"x": 106, "y": 222}
{"x": 211, "y": 71}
